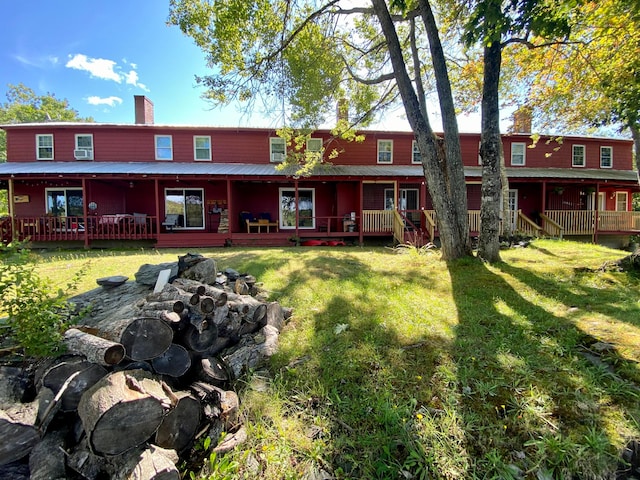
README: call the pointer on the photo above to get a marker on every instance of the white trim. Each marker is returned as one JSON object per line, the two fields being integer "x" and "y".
{"x": 309, "y": 143}
{"x": 184, "y": 213}
{"x": 602, "y": 147}
{"x": 524, "y": 154}
{"x": 573, "y": 156}
{"x": 384, "y": 150}
{"x": 195, "y": 148}
{"x": 44, "y": 135}
{"x": 313, "y": 208}
{"x": 277, "y": 155}
{"x": 619, "y": 195}
{"x": 66, "y": 198}
{"x": 415, "y": 150}
{"x": 156, "y": 148}
{"x": 88, "y": 155}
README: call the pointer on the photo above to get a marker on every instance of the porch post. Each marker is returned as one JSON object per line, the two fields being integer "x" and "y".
{"x": 230, "y": 210}
{"x": 544, "y": 196}
{"x": 157, "y": 193}
{"x": 87, "y": 227}
{"x": 361, "y": 201}
{"x": 11, "y": 205}
{"x": 596, "y": 221}
{"x": 297, "y": 199}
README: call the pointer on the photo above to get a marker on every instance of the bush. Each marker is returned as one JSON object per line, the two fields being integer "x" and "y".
{"x": 37, "y": 313}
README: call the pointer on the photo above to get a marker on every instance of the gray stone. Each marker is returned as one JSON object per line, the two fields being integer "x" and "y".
{"x": 148, "y": 274}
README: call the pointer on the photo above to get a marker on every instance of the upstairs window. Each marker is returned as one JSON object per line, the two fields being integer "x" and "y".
{"x": 415, "y": 153}
{"x": 578, "y": 156}
{"x": 606, "y": 157}
{"x": 84, "y": 147}
{"x": 164, "y": 147}
{"x": 518, "y": 154}
{"x": 314, "y": 148}
{"x": 202, "y": 148}
{"x": 277, "y": 149}
{"x": 44, "y": 147}
{"x": 385, "y": 151}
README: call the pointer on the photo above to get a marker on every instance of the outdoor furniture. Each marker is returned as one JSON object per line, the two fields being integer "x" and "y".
{"x": 265, "y": 221}
{"x": 172, "y": 221}
{"x": 250, "y": 221}
{"x": 140, "y": 222}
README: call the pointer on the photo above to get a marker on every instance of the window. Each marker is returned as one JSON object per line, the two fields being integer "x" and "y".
{"x": 164, "y": 147}
{"x": 314, "y": 149}
{"x": 622, "y": 201}
{"x": 305, "y": 208}
{"x": 44, "y": 147}
{"x": 415, "y": 153}
{"x": 64, "y": 202}
{"x": 479, "y": 156}
{"x": 518, "y": 154}
{"x": 385, "y": 151}
{"x": 578, "y": 156}
{"x": 606, "y": 157}
{"x": 277, "y": 149}
{"x": 188, "y": 204}
{"x": 201, "y": 147}
{"x": 84, "y": 147}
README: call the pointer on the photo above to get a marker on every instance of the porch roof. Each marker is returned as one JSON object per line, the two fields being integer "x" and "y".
{"x": 46, "y": 168}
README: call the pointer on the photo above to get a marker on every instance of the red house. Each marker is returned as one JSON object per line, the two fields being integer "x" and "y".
{"x": 92, "y": 184}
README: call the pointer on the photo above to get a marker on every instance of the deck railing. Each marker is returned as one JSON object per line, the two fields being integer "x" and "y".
{"x": 377, "y": 221}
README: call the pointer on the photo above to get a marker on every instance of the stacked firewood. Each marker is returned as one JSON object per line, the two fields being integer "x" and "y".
{"x": 143, "y": 382}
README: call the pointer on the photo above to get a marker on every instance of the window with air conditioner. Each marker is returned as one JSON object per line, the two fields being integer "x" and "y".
{"x": 84, "y": 147}
{"x": 277, "y": 149}
{"x": 44, "y": 147}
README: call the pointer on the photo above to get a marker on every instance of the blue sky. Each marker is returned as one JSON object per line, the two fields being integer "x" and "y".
{"x": 99, "y": 54}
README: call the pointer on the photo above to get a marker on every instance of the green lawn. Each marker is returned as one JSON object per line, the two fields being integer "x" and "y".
{"x": 401, "y": 366}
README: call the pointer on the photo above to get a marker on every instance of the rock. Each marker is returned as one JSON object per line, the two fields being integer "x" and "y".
{"x": 204, "y": 271}
{"x": 114, "y": 281}
{"x": 148, "y": 274}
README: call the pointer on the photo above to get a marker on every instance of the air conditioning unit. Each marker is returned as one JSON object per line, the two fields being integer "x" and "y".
{"x": 277, "y": 157}
{"x": 82, "y": 154}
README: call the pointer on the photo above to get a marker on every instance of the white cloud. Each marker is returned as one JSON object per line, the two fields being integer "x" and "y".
{"x": 97, "y": 67}
{"x": 111, "y": 101}
{"x": 106, "y": 69}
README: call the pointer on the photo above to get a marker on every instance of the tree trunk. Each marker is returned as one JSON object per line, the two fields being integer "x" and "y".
{"x": 180, "y": 425}
{"x": 131, "y": 400}
{"x": 490, "y": 148}
{"x": 441, "y": 160}
{"x": 18, "y": 439}
{"x": 143, "y": 338}
{"x": 96, "y": 349}
{"x": 175, "y": 361}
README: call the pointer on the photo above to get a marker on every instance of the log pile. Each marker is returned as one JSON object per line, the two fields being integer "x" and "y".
{"x": 148, "y": 373}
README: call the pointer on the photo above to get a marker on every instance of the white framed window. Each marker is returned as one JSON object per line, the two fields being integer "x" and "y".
{"x": 305, "y": 206}
{"x": 314, "y": 148}
{"x": 44, "y": 146}
{"x": 64, "y": 202}
{"x": 518, "y": 154}
{"x": 202, "y": 147}
{"x": 415, "y": 153}
{"x": 84, "y": 147}
{"x": 164, "y": 147}
{"x": 622, "y": 201}
{"x": 277, "y": 149}
{"x": 606, "y": 157}
{"x": 479, "y": 156}
{"x": 188, "y": 204}
{"x": 578, "y": 158}
{"x": 385, "y": 151}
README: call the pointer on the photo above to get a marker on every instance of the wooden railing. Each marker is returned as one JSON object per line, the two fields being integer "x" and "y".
{"x": 574, "y": 222}
{"x": 398, "y": 227}
{"x": 618, "y": 221}
{"x": 104, "y": 227}
{"x": 430, "y": 223}
{"x": 527, "y": 226}
{"x": 551, "y": 228}
{"x": 377, "y": 221}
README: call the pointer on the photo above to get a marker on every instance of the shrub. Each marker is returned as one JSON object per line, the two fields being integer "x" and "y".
{"x": 36, "y": 313}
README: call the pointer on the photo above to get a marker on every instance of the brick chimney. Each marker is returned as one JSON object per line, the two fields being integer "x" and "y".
{"x": 522, "y": 119}
{"x": 144, "y": 110}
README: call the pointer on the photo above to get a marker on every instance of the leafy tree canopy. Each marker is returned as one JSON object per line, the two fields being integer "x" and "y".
{"x": 24, "y": 106}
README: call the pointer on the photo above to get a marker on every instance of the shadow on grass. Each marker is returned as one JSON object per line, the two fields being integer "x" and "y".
{"x": 529, "y": 401}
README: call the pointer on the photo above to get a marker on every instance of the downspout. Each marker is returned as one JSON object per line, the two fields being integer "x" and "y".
{"x": 85, "y": 215}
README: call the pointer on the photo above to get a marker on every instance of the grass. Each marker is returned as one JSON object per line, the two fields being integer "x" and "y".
{"x": 401, "y": 366}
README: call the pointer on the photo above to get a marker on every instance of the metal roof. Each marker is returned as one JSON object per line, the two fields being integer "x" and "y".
{"x": 79, "y": 168}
